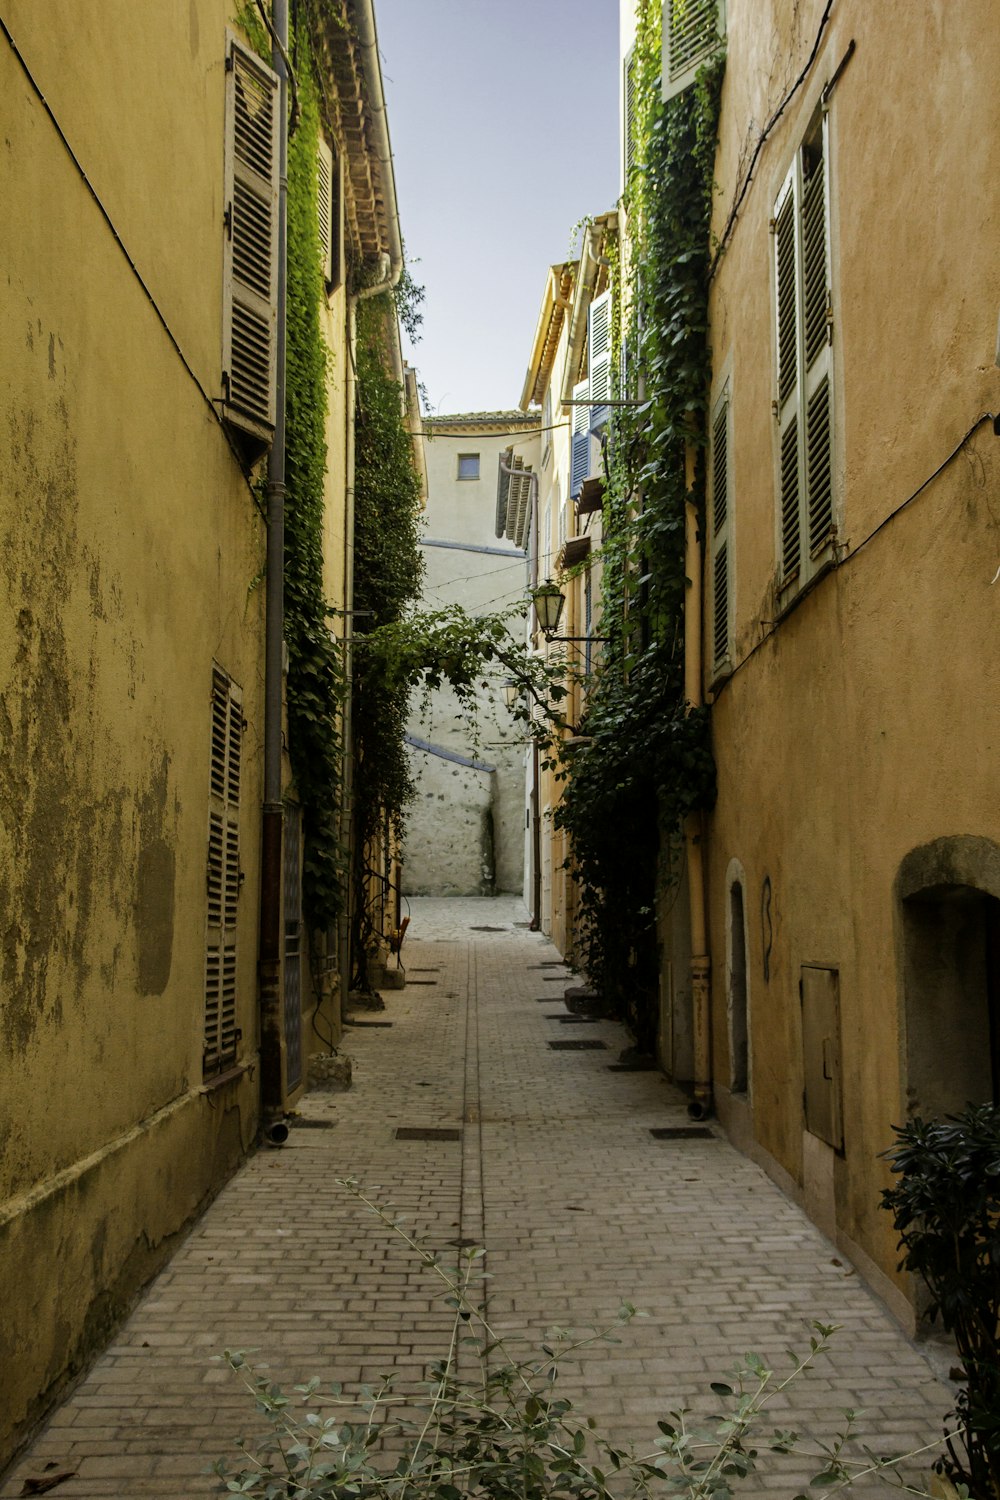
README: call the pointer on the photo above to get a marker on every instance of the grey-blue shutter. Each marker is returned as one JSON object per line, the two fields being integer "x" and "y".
{"x": 580, "y": 442}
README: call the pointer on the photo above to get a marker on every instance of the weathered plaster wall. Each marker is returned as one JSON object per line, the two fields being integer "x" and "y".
{"x": 467, "y": 824}
{"x": 862, "y": 725}
{"x": 129, "y": 546}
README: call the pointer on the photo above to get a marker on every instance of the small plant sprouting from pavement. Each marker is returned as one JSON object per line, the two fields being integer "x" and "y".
{"x": 491, "y": 1425}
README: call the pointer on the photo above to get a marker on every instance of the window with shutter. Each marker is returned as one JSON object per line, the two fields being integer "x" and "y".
{"x": 599, "y": 359}
{"x": 223, "y": 874}
{"x": 804, "y": 404}
{"x": 693, "y": 30}
{"x": 579, "y": 468}
{"x": 251, "y": 242}
{"x": 629, "y": 120}
{"x": 721, "y": 551}
{"x": 327, "y": 215}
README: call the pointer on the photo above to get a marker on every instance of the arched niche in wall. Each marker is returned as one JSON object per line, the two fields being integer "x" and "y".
{"x": 948, "y": 915}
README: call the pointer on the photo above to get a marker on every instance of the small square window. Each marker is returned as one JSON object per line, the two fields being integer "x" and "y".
{"x": 468, "y": 466}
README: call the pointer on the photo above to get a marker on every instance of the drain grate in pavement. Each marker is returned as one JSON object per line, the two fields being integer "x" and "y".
{"x": 420, "y": 981}
{"x": 573, "y": 1020}
{"x": 547, "y": 1000}
{"x": 426, "y": 1133}
{"x": 548, "y": 963}
{"x": 578, "y": 1044}
{"x": 349, "y": 1021}
{"x": 312, "y": 1124}
{"x": 683, "y": 1133}
{"x": 487, "y": 929}
{"x": 425, "y": 971}
{"x": 463, "y": 1244}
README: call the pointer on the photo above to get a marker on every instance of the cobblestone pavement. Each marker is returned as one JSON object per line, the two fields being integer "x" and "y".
{"x": 555, "y": 1172}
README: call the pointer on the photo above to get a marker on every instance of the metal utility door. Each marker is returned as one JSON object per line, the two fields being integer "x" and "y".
{"x": 293, "y": 948}
{"x": 820, "y": 992}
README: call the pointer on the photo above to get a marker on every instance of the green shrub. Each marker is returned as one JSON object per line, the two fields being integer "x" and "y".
{"x": 946, "y": 1207}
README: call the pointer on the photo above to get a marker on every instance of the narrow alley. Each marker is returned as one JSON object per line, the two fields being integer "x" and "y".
{"x": 551, "y": 1162}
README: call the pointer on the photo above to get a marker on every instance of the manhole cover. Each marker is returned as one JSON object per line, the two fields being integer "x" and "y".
{"x": 578, "y": 1044}
{"x": 683, "y": 1133}
{"x": 312, "y": 1124}
{"x": 426, "y": 1133}
{"x": 487, "y": 929}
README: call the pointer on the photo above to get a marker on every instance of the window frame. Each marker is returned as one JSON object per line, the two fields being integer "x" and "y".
{"x": 465, "y": 458}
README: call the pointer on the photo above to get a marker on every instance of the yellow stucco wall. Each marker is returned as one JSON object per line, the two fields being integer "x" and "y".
{"x": 131, "y": 556}
{"x": 864, "y": 723}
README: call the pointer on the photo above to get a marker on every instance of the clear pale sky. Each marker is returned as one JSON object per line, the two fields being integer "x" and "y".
{"x": 503, "y": 117}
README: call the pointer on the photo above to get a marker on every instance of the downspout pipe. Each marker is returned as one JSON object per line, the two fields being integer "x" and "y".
{"x": 392, "y": 269}
{"x": 271, "y": 1072}
{"x": 701, "y": 1105}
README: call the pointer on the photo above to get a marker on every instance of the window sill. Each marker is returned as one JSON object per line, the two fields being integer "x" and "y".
{"x": 228, "y": 1075}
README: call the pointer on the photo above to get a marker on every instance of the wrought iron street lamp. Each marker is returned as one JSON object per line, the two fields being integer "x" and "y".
{"x": 548, "y": 599}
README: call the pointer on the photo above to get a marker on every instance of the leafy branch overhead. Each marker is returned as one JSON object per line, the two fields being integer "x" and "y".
{"x": 453, "y": 648}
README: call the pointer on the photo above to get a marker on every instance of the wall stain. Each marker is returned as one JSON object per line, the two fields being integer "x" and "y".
{"x": 65, "y": 827}
{"x": 154, "y": 908}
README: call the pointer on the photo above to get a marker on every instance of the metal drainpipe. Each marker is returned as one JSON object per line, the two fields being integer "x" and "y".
{"x": 271, "y": 1082}
{"x": 701, "y": 992}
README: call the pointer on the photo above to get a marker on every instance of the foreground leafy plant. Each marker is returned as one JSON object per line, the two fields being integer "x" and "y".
{"x": 501, "y": 1432}
{"x": 946, "y": 1207}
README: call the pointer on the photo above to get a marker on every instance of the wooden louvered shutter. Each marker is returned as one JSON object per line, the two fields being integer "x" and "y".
{"x": 223, "y": 874}
{"x": 787, "y": 303}
{"x": 251, "y": 255}
{"x": 805, "y": 374}
{"x": 721, "y": 550}
{"x": 816, "y": 331}
{"x": 599, "y": 358}
{"x": 629, "y": 122}
{"x": 692, "y": 31}
{"x": 580, "y": 442}
{"x": 324, "y": 207}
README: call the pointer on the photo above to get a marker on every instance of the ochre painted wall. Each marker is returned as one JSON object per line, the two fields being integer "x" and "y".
{"x": 864, "y": 723}
{"x": 131, "y": 555}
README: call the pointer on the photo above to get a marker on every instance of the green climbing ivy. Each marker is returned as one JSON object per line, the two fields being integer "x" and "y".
{"x": 649, "y": 761}
{"x": 387, "y": 576}
{"x": 315, "y": 685}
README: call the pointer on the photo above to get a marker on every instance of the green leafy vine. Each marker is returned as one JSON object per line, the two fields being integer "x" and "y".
{"x": 648, "y": 762}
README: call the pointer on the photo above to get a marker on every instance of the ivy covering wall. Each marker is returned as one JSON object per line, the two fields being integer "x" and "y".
{"x": 648, "y": 762}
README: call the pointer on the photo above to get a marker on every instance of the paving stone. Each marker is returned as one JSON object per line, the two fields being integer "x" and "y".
{"x": 556, "y": 1175}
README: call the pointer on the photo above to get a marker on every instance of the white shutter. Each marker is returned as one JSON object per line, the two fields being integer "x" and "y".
{"x": 223, "y": 874}
{"x": 324, "y": 207}
{"x": 599, "y": 358}
{"x": 692, "y": 31}
{"x": 816, "y": 334}
{"x": 805, "y": 374}
{"x": 579, "y": 467}
{"x": 786, "y": 303}
{"x": 251, "y": 243}
{"x": 721, "y": 549}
